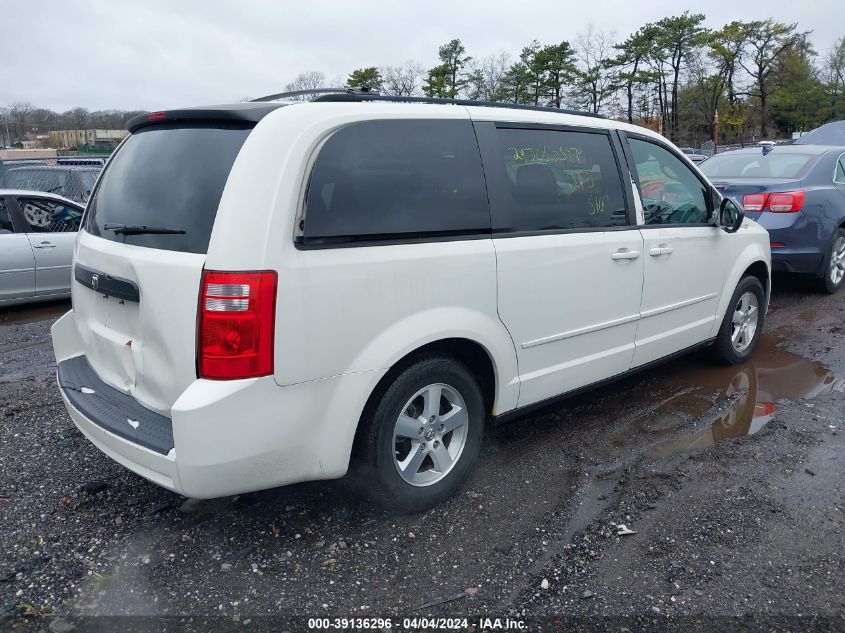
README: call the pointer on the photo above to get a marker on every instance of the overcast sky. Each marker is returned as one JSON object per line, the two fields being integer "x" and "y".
{"x": 152, "y": 54}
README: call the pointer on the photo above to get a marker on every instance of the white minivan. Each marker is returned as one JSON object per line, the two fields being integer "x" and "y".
{"x": 266, "y": 293}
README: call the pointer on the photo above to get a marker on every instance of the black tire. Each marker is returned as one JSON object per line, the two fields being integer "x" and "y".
{"x": 723, "y": 348}
{"x": 374, "y": 469}
{"x": 826, "y": 282}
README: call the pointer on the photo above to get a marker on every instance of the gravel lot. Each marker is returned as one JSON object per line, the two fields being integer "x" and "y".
{"x": 730, "y": 478}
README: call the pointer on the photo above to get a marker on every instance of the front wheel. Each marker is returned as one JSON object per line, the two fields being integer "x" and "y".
{"x": 834, "y": 272}
{"x": 743, "y": 322}
{"x": 421, "y": 438}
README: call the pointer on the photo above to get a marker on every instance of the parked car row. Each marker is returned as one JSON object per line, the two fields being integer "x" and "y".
{"x": 694, "y": 154}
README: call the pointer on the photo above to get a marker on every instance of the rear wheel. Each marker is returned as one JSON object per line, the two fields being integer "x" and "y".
{"x": 743, "y": 322}
{"x": 421, "y": 438}
{"x": 834, "y": 272}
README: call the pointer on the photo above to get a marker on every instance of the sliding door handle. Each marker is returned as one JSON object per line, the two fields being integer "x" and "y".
{"x": 624, "y": 253}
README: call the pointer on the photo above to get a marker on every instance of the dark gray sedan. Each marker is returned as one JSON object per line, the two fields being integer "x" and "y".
{"x": 797, "y": 192}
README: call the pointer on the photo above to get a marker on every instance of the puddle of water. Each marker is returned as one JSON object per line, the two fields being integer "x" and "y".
{"x": 746, "y": 396}
{"x": 685, "y": 404}
{"x": 30, "y": 313}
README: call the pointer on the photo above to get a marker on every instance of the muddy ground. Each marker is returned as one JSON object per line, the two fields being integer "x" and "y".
{"x": 730, "y": 478}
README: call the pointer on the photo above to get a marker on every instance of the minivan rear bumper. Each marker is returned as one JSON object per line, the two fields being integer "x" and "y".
{"x": 228, "y": 437}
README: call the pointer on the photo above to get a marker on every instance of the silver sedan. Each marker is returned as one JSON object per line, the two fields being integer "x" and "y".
{"x": 37, "y": 231}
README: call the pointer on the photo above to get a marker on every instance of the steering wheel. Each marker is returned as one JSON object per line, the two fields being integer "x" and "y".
{"x": 36, "y": 216}
{"x": 685, "y": 211}
{"x": 658, "y": 213}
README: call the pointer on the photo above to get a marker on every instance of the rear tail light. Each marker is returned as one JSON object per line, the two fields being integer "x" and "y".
{"x": 754, "y": 201}
{"x": 776, "y": 244}
{"x": 788, "y": 202}
{"x": 237, "y": 312}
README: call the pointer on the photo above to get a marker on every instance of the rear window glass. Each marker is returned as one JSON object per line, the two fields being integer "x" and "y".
{"x": 166, "y": 178}
{"x": 757, "y": 165}
{"x": 390, "y": 178}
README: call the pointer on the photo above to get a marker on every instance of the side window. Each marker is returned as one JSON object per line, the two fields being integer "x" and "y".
{"x": 389, "y": 178}
{"x": 670, "y": 191}
{"x": 5, "y": 218}
{"x": 553, "y": 180}
{"x": 840, "y": 170}
{"x": 44, "y": 216}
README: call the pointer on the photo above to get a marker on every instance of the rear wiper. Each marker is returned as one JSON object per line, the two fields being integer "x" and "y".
{"x": 140, "y": 229}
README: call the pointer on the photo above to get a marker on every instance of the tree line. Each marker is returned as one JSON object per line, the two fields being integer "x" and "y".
{"x": 763, "y": 77}
{"x": 22, "y": 121}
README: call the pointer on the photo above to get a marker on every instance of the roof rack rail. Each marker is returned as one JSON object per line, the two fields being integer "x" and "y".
{"x": 361, "y": 95}
{"x": 313, "y": 91}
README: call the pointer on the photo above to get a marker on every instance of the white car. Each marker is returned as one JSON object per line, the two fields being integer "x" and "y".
{"x": 37, "y": 232}
{"x": 267, "y": 293}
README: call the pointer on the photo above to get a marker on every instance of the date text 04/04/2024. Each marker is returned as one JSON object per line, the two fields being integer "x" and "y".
{"x": 418, "y": 623}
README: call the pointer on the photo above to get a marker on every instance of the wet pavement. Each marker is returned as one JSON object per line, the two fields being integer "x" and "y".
{"x": 729, "y": 478}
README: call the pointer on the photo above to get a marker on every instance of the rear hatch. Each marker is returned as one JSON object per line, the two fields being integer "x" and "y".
{"x": 141, "y": 253}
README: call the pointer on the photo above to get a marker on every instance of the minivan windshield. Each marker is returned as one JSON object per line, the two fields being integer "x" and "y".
{"x": 166, "y": 177}
{"x": 756, "y": 165}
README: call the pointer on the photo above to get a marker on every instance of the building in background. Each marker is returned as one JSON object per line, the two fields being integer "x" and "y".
{"x": 104, "y": 139}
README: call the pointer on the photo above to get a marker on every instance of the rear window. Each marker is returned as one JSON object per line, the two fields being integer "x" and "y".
{"x": 382, "y": 179}
{"x": 771, "y": 165}
{"x": 169, "y": 178}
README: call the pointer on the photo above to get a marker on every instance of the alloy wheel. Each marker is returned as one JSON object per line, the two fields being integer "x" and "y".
{"x": 744, "y": 321}
{"x": 837, "y": 261}
{"x": 430, "y": 434}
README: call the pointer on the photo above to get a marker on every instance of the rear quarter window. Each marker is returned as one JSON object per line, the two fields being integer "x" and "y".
{"x": 396, "y": 178}
{"x": 166, "y": 177}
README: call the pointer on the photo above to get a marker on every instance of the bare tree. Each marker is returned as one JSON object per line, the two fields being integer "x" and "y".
{"x": 310, "y": 80}
{"x": 20, "y": 112}
{"x": 402, "y": 81}
{"x": 487, "y": 75}
{"x": 834, "y": 69}
{"x": 76, "y": 119}
{"x": 594, "y": 52}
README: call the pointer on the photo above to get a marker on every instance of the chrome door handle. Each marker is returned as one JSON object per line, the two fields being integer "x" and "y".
{"x": 625, "y": 254}
{"x": 44, "y": 245}
{"x": 660, "y": 250}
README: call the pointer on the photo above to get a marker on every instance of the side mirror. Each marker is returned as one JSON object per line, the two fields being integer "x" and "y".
{"x": 731, "y": 215}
